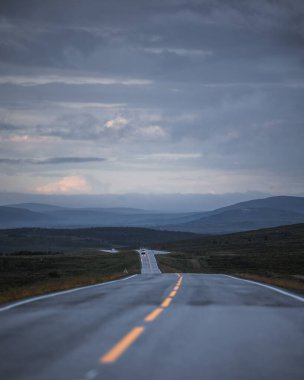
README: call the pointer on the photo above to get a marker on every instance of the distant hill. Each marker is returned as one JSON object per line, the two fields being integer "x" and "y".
{"x": 42, "y": 215}
{"x": 289, "y": 237}
{"x": 11, "y": 217}
{"x": 41, "y": 207}
{"x": 286, "y": 203}
{"x": 241, "y": 220}
{"x": 245, "y": 216}
{"x": 36, "y": 207}
{"x": 249, "y": 215}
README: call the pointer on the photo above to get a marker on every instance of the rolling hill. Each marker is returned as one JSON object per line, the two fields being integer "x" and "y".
{"x": 38, "y": 215}
{"x": 249, "y": 215}
{"x": 245, "y": 216}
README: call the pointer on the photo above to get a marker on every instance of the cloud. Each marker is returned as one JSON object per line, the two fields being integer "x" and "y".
{"x": 179, "y": 51}
{"x": 117, "y": 123}
{"x": 50, "y": 161}
{"x": 36, "y": 80}
{"x": 66, "y": 185}
{"x": 170, "y": 156}
{"x": 120, "y": 128}
{"x": 154, "y": 87}
{"x": 132, "y": 130}
{"x": 69, "y": 160}
{"x": 89, "y": 105}
{"x": 152, "y": 132}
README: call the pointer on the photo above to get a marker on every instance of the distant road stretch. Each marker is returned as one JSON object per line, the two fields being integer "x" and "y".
{"x": 148, "y": 261}
{"x": 155, "y": 327}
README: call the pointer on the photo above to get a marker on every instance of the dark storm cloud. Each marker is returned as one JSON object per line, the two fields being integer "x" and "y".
{"x": 8, "y": 128}
{"x": 223, "y": 79}
{"x": 68, "y": 160}
{"x": 50, "y": 47}
{"x": 158, "y": 39}
{"x": 51, "y": 161}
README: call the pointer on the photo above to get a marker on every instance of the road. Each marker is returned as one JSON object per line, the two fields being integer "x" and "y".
{"x": 148, "y": 260}
{"x": 156, "y": 326}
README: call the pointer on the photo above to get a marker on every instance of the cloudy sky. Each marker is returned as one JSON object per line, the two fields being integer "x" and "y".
{"x": 136, "y": 96}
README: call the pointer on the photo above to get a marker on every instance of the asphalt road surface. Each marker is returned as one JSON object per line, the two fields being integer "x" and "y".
{"x": 148, "y": 260}
{"x": 156, "y": 326}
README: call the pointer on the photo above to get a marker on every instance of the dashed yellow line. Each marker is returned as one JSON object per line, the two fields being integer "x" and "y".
{"x": 154, "y": 314}
{"x": 122, "y": 345}
{"x": 166, "y": 302}
{"x": 130, "y": 338}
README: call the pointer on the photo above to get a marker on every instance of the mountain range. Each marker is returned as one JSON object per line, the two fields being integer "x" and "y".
{"x": 249, "y": 215}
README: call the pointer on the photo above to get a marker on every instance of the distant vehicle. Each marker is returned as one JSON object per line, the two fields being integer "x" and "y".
{"x": 143, "y": 252}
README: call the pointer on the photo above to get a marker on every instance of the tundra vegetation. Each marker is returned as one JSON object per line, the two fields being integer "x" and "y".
{"x": 37, "y": 261}
{"x": 32, "y": 273}
{"x": 274, "y": 255}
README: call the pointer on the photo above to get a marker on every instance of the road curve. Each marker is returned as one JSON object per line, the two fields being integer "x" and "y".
{"x": 156, "y": 327}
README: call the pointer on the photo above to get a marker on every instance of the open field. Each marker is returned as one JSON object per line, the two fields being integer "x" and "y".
{"x": 65, "y": 240}
{"x": 274, "y": 255}
{"x": 27, "y": 275}
{"x": 35, "y": 260}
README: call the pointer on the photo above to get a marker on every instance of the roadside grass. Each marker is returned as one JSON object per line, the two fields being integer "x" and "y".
{"x": 274, "y": 256}
{"x": 287, "y": 282}
{"x": 33, "y": 274}
{"x": 187, "y": 264}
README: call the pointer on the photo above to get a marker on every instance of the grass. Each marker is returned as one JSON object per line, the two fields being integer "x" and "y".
{"x": 65, "y": 240}
{"x": 33, "y": 274}
{"x": 274, "y": 256}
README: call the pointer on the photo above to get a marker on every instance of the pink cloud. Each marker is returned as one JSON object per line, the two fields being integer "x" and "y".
{"x": 66, "y": 185}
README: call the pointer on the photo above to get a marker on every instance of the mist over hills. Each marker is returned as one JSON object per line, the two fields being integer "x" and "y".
{"x": 243, "y": 216}
{"x": 36, "y": 207}
{"x": 19, "y": 216}
{"x": 237, "y": 220}
{"x": 286, "y": 203}
{"x": 246, "y": 216}
{"x": 174, "y": 202}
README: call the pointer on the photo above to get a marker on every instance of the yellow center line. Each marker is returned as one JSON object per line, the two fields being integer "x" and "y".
{"x": 166, "y": 302}
{"x": 154, "y": 314}
{"x": 122, "y": 345}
